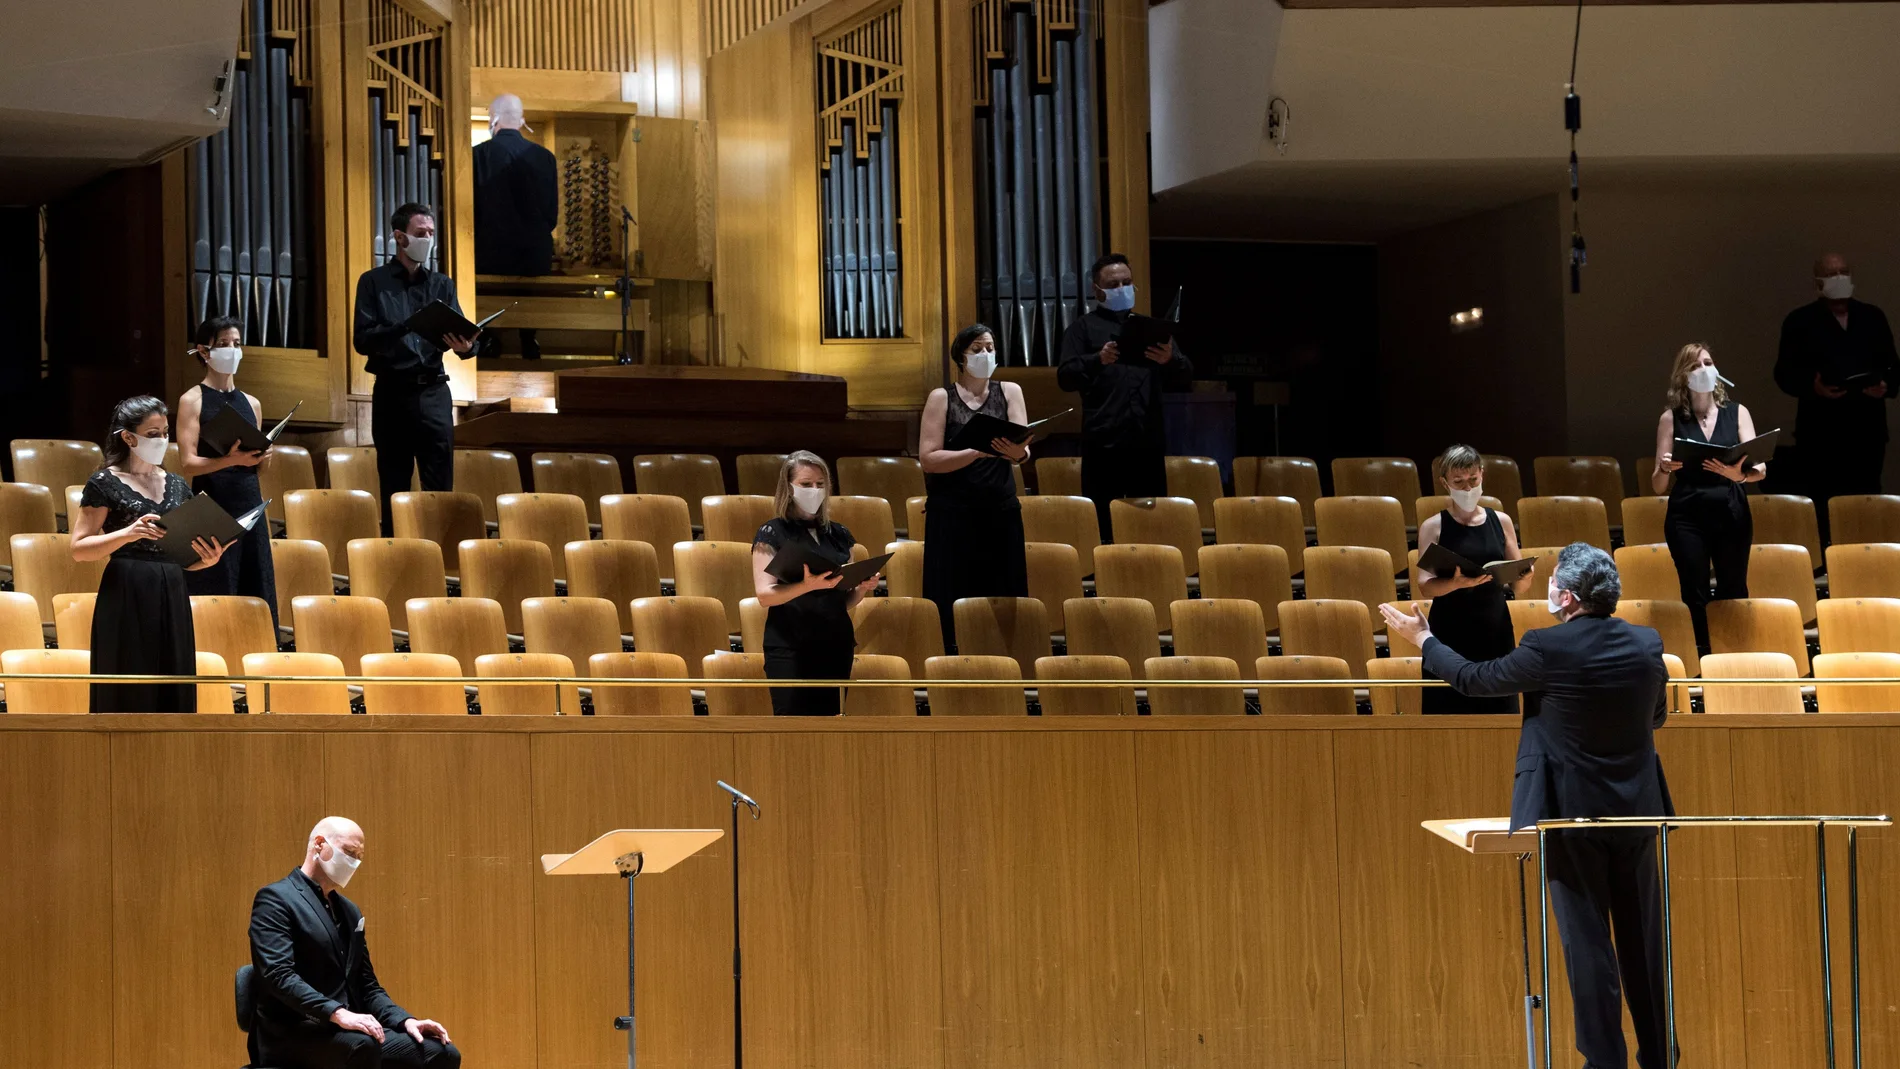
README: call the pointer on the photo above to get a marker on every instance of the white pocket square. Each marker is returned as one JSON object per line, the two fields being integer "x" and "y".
{"x": 359, "y": 923}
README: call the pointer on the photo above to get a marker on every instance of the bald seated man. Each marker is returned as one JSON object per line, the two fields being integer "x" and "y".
{"x": 1837, "y": 360}
{"x": 319, "y": 1005}
{"x": 516, "y": 202}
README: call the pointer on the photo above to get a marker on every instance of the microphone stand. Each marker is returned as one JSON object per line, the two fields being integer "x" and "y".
{"x": 625, "y": 355}
{"x": 738, "y": 1000}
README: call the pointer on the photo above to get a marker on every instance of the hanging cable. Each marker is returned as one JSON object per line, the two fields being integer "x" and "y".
{"x": 1573, "y": 121}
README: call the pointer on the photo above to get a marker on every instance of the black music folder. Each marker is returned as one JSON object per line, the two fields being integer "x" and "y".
{"x": 789, "y": 563}
{"x": 227, "y": 428}
{"x": 204, "y": 518}
{"x": 1139, "y": 332}
{"x": 983, "y": 428}
{"x": 436, "y": 320}
{"x": 1858, "y": 380}
{"x": 1441, "y": 562}
{"x": 1691, "y": 454}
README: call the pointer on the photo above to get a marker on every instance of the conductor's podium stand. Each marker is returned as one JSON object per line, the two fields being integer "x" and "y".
{"x": 1491, "y": 835}
{"x": 630, "y": 854}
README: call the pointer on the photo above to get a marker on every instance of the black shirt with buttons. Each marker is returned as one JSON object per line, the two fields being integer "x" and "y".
{"x": 386, "y": 297}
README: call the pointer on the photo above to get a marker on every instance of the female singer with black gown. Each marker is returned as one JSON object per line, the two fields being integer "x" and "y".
{"x": 1708, "y": 520}
{"x": 808, "y": 630}
{"x": 1469, "y": 613}
{"x": 141, "y": 622}
{"x": 229, "y": 478}
{"x": 973, "y": 534}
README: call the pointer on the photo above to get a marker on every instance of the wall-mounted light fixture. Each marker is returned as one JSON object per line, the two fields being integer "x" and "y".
{"x": 1469, "y": 319}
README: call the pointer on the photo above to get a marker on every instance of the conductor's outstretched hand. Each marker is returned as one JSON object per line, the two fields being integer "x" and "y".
{"x": 1412, "y": 626}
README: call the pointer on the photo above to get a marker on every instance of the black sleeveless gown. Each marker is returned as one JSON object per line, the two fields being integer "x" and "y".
{"x": 141, "y": 624}
{"x": 1476, "y": 621}
{"x": 1709, "y": 524}
{"x": 973, "y": 534}
{"x": 246, "y": 567}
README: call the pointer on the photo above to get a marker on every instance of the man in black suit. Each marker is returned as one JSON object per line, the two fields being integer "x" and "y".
{"x": 516, "y": 203}
{"x": 319, "y": 1005}
{"x": 1595, "y": 692}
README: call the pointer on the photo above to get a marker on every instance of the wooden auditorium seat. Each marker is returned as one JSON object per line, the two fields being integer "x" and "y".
{"x": 1149, "y": 572}
{"x": 488, "y": 474}
{"x": 440, "y": 699}
{"x": 736, "y": 701}
{"x": 576, "y": 628}
{"x": 1084, "y": 701}
{"x": 949, "y": 699}
{"x": 1327, "y": 628}
{"x": 1573, "y": 476}
{"x": 659, "y": 520}
{"x": 690, "y": 627}
{"x": 752, "y": 625}
{"x": 1058, "y": 477}
{"x": 55, "y": 463}
{"x": 554, "y": 520}
{"x": 1561, "y": 520}
{"x": 1233, "y": 628}
{"x": 1003, "y": 627}
{"x": 869, "y": 519}
{"x": 1377, "y": 522}
{"x": 914, "y": 518}
{"x": 1055, "y": 576}
{"x": 332, "y": 517}
{"x": 507, "y": 570}
{"x": 1750, "y": 697}
{"x": 501, "y": 698}
{"x": 43, "y": 566}
{"x": 213, "y": 697}
{"x": 347, "y": 628}
{"x": 1758, "y": 625}
{"x": 758, "y": 473}
{"x": 447, "y": 518}
{"x": 25, "y": 508}
{"x": 1266, "y": 521}
{"x": 1354, "y": 573}
{"x": 908, "y": 627}
{"x": 20, "y": 626}
{"x": 1193, "y": 701}
{"x": 736, "y": 517}
{"x": 354, "y": 468}
{"x": 895, "y": 479}
{"x": 615, "y": 569}
{"x": 632, "y": 699}
{"x": 1643, "y": 519}
{"x": 1783, "y": 571}
{"x": 1842, "y": 698}
{"x": 720, "y": 570}
{"x": 690, "y": 476}
{"x": 1863, "y": 518}
{"x": 72, "y": 621}
{"x": 1254, "y": 572}
{"x": 1067, "y": 519}
{"x": 588, "y": 476}
{"x": 464, "y": 628}
{"x": 272, "y": 695}
{"x": 233, "y": 626}
{"x": 1786, "y": 519}
{"x": 880, "y": 701}
{"x": 1159, "y": 521}
{"x": 1113, "y": 627}
{"x": 1648, "y": 572}
{"x": 47, "y": 696}
{"x": 285, "y": 468}
{"x": 1393, "y": 477}
{"x": 1859, "y": 625}
{"x": 1294, "y": 477}
{"x": 395, "y": 570}
{"x": 1198, "y": 480}
{"x": 1306, "y": 701}
{"x": 1504, "y": 480}
{"x": 904, "y": 573}
{"x": 1670, "y": 618}
{"x": 1863, "y": 570}
{"x": 301, "y": 567}
{"x": 1394, "y": 701}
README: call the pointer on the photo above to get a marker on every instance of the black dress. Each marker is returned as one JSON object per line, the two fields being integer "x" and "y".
{"x": 973, "y": 537}
{"x": 141, "y": 623}
{"x": 1709, "y": 524}
{"x": 246, "y": 567}
{"x": 810, "y": 636}
{"x": 1475, "y": 622}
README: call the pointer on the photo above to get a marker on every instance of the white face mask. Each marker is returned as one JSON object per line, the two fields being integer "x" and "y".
{"x": 1119, "y": 299}
{"x": 1704, "y": 379}
{"x": 1467, "y": 500}
{"x": 225, "y": 359}
{"x": 150, "y": 450}
{"x": 809, "y": 499}
{"x": 420, "y": 247}
{"x": 981, "y": 363}
{"x": 339, "y": 866}
{"x": 1837, "y": 287}
{"x": 1550, "y": 602}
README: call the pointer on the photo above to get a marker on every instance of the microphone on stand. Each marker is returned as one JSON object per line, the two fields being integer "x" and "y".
{"x": 738, "y": 980}
{"x": 740, "y": 796}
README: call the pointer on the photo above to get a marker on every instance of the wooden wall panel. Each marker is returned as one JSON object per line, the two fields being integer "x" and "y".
{"x": 56, "y": 932}
{"x": 839, "y": 882}
{"x": 1041, "y": 910}
{"x": 446, "y": 887}
{"x": 178, "y": 801}
{"x": 584, "y": 786}
{"x": 1240, "y": 914}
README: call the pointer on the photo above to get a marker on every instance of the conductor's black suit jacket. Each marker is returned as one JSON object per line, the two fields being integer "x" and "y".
{"x": 516, "y": 206}
{"x": 308, "y": 964}
{"x": 1595, "y": 691}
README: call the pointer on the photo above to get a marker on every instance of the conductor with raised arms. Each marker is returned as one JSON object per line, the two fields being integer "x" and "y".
{"x": 1595, "y": 692}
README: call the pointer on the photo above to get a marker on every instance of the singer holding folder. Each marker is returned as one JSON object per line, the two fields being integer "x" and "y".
{"x": 411, "y": 413}
{"x": 1469, "y": 613}
{"x": 1708, "y": 520}
{"x": 973, "y": 540}
{"x": 229, "y": 475}
{"x": 141, "y": 622}
{"x": 808, "y": 631}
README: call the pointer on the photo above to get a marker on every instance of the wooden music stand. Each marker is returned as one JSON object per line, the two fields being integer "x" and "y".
{"x": 1492, "y": 835}
{"x": 627, "y": 854}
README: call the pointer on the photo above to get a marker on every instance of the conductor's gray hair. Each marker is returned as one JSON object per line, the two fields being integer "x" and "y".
{"x": 1590, "y": 574}
{"x": 505, "y": 111}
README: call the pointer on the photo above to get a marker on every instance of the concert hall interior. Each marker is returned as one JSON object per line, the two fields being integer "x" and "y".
{"x": 1100, "y": 534}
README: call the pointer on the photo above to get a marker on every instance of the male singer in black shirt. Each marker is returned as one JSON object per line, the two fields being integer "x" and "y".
{"x": 1124, "y": 427}
{"x": 319, "y": 1005}
{"x": 411, "y": 414}
{"x": 516, "y": 203}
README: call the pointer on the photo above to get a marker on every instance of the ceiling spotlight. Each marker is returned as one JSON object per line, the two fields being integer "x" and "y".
{"x": 1469, "y": 319}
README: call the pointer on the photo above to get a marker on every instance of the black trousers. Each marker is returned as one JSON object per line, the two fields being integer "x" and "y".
{"x": 1709, "y": 527}
{"x": 1830, "y": 470}
{"x": 321, "y": 1045}
{"x": 1608, "y": 902}
{"x": 808, "y": 662}
{"x": 1111, "y": 472}
{"x": 414, "y": 426}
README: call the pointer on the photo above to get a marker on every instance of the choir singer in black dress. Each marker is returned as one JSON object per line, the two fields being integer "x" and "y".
{"x": 228, "y": 477}
{"x": 141, "y": 623}
{"x": 973, "y": 537}
{"x": 1124, "y": 426}
{"x": 808, "y": 631}
{"x": 1469, "y": 613}
{"x": 1708, "y": 520}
